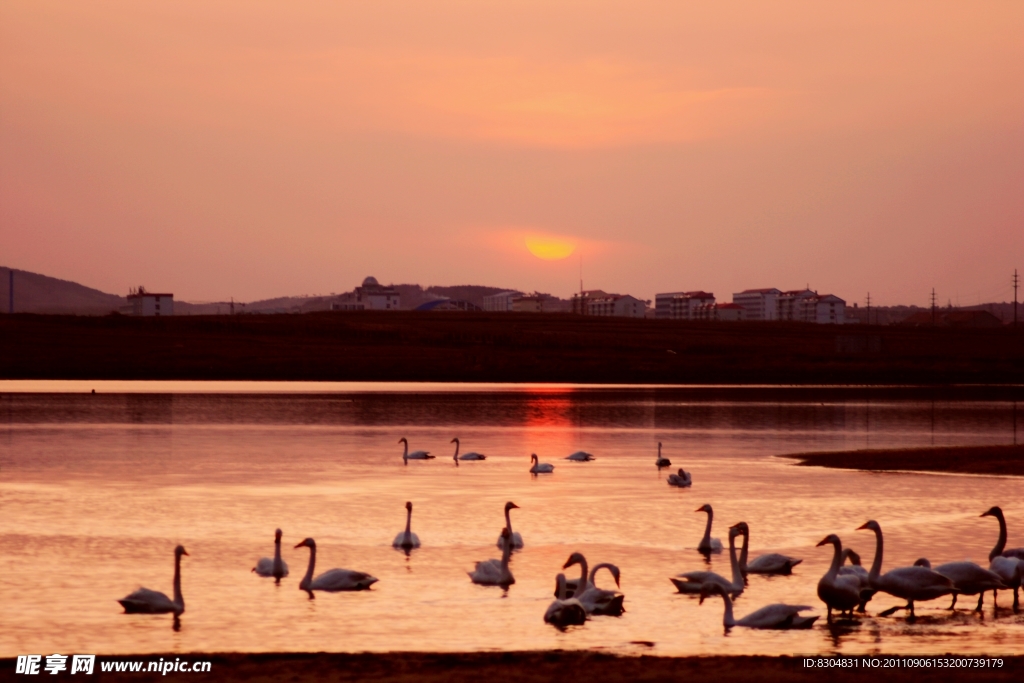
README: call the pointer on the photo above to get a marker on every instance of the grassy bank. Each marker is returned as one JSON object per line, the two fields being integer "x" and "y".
{"x": 962, "y": 459}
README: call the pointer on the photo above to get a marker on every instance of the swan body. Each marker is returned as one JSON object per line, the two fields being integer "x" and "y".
{"x": 415, "y": 455}
{"x": 777, "y": 616}
{"x": 580, "y": 456}
{"x": 708, "y": 544}
{"x": 968, "y": 578}
{"x": 146, "y": 601}
{"x": 332, "y": 580}
{"x": 661, "y": 462}
{"x": 691, "y": 582}
{"x": 838, "y": 591}
{"x": 407, "y": 540}
{"x": 513, "y": 537}
{"x": 771, "y": 563}
{"x": 564, "y": 611}
{"x": 465, "y": 456}
{"x": 682, "y": 479}
{"x": 597, "y": 600}
{"x": 495, "y": 572}
{"x": 539, "y": 467}
{"x": 910, "y": 583}
{"x": 275, "y": 567}
{"x": 1007, "y": 564}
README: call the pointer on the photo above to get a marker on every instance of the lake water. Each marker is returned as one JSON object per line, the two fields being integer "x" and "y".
{"x": 97, "y": 489}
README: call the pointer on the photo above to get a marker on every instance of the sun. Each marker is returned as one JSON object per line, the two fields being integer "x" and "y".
{"x": 549, "y": 248}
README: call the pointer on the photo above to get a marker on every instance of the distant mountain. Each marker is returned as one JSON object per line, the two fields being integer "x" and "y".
{"x": 34, "y": 293}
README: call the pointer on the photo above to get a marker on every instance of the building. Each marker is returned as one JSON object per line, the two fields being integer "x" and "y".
{"x": 727, "y": 312}
{"x": 823, "y": 309}
{"x": 758, "y": 304}
{"x": 376, "y": 297}
{"x": 682, "y": 305}
{"x": 620, "y": 305}
{"x": 663, "y": 304}
{"x": 792, "y": 304}
{"x": 502, "y": 301}
{"x": 143, "y": 303}
{"x": 581, "y": 301}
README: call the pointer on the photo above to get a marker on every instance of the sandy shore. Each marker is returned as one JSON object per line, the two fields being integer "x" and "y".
{"x": 964, "y": 459}
{"x": 528, "y": 667}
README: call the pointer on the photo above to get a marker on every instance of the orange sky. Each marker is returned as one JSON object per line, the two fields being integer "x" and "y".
{"x": 255, "y": 149}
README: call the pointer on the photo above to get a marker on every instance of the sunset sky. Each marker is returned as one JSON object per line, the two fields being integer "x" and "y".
{"x": 253, "y": 149}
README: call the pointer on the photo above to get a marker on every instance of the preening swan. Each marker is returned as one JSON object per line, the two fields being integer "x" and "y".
{"x": 146, "y": 601}
{"x": 495, "y": 572}
{"x": 771, "y": 563}
{"x": 465, "y": 456}
{"x": 708, "y": 544}
{"x": 564, "y": 611}
{"x": 580, "y": 456}
{"x": 777, "y": 616}
{"x": 691, "y": 582}
{"x": 682, "y": 479}
{"x": 332, "y": 580}
{"x": 513, "y": 536}
{"x": 661, "y": 462}
{"x": 968, "y": 579}
{"x": 407, "y": 540}
{"x": 596, "y": 600}
{"x": 838, "y": 591}
{"x": 539, "y": 467}
{"x": 910, "y": 583}
{"x": 273, "y": 567}
{"x": 1007, "y": 564}
{"x": 415, "y": 455}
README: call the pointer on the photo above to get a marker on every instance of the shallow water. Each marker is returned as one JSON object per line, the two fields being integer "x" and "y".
{"x": 96, "y": 490}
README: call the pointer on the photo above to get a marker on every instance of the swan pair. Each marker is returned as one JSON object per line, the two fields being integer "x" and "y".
{"x": 693, "y": 582}
{"x": 415, "y": 455}
{"x": 495, "y": 572}
{"x": 595, "y": 600}
{"x": 776, "y": 616}
{"x": 146, "y": 601}
{"x": 332, "y": 580}
{"x": 472, "y": 455}
{"x": 276, "y": 567}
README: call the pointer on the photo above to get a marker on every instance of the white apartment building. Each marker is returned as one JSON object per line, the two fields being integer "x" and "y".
{"x": 622, "y": 305}
{"x": 824, "y": 309}
{"x": 791, "y": 304}
{"x": 143, "y": 303}
{"x": 758, "y": 304}
{"x": 663, "y": 304}
{"x": 728, "y": 312}
{"x": 502, "y": 301}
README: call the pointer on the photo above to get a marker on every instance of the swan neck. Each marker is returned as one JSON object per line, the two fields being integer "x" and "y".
{"x": 876, "y": 564}
{"x": 277, "y": 554}
{"x": 178, "y": 599}
{"x": 584, "y": 584}
{"x": 506, "y": 553}
{"x": 508, "y": 524}
{"x": 560, "y": 588}
{"x": 308, "y": 579}
{"x": 837, "y": 562}
{"x": 408, "y": 523}
{"x": 1001, "y": 543}
{"x": 707, "y": 530}
{"x": 727, "y": 619}
{"x": 737, "y": 575}
{"x": 743, "y": 551}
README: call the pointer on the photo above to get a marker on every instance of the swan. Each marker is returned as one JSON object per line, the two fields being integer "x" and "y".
{"x": 580, "y": 456}
{"x": 1008, "y": 564}
{"x": 682, "y": 479}
{"x": 564, "y": 611}
{"x": 407, "y": 540}
{"x": 838, "y": 591}
{"x": 146, "y": 601}
{"x": 661, "y": 462}
{"x": 777, "y": 616}
{"x": 332, "y": 580}
{"x": 910, "y": 583}
{"x": 967, "y": 577}
{"x": 772, "y": 563}
{"x": 465, "y": 456}
{"x": 597, "y": 600}
{"x": 691, "y": 582}
{"x": 856, "y": 570}
{"x": 1000, "y": 548}
{"x": 415, "y": 455}
{"x": 513, "y": 536}
{"x": 495, "y": 572}
{"x": 273, "y": 567}
{"x": 539, "y": 467}
{"x": 708, "y": 544}
{"x": 571, "y": 585}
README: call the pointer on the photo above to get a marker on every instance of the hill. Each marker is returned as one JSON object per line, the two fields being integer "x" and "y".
{"x": 34, "y": 293}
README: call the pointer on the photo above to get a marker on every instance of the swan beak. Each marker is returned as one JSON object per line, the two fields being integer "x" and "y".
{"x": 513, "y": 505}
{"x": 862, "y": 526}
{"x": 822, "y": 542}
{"x": 299, "y": 546}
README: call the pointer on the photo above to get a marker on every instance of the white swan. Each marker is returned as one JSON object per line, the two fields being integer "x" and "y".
{"x": 661, "y": 462}
{"x": 571, "y": 585}
{"x": 997, "y": 512}
{"x": 777, "y": 616}
{"x": 564, "y": 611}
{"x": 857, "y": 571}
{"x": 691, "y": 582}
{"x": 771, "y": 563}
{"x": 708, "y": 544}
{"x": 415, "y": 455}
{"x": 599, "y": 601}
{"x": 495, "y": 572}
{"x": 146, "y": 601}
{"x": 513, "y": 536}
{"x": 968, "y": 578}
{"x": 1007, "y": 564}
{"x": 332, "y": 580}
{"x": 407, "y": 540}
{"x": 580, "y": 456}
{"x": 539, "y": 467}
{"x": 682, "y": 479}
{"x": 910, "y": 583}
{"x": 275, "y": 567}
{"x": 465, "y": 456}
{"x": 838, "y": 591}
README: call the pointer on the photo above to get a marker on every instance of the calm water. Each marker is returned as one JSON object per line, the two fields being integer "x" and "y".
{"x": 96, "y": 490}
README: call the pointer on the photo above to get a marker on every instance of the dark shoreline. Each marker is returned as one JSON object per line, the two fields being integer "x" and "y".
{"x": 1006, "y": 460}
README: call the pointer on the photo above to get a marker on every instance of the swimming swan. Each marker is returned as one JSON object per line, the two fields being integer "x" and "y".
{"x": 838, "y": 591}
{"x": 415, "y": 455}
{"x": 146, "y": 601}
{"x": 691, "y": 582}
{"x": 564, "y": 611}
{"x": 682, "y": 479}
{"x": 661, "y": 462}
{"x": 495, "y": 572}
{"x": 407, "y": 540}
{"x": 771, "y": 563}
{"x": 777, "y": 616}
{"x": 539, "y": 467}
{"x": 599, "y": 601}
{"x": 275, "y": 567}
{"x": 517, "y": 540}
{"x": 707, "y": 544}
{"x": 332, "y": 580}
{"x": 580, "y": 456}
{"x": 465, "y": 456}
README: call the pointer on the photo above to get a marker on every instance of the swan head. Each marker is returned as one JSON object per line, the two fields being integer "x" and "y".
{"x": 575, "y": 558}
{"x": 179, "y": 551}
{"x": 615, "y": 573}
{"x": 511, "y": 506}
{"x": 872, "y": 525}
{"x": 533, "y": 457}
{"x": 703, "y": 508}
{"x": 408, "y": 505}
{"x": 307, "y": 542}
{"x": 734, "y": 531}
{"x": 851, "y": 555}
{"x": 277, "y": 535}
{"x": 404, "y": 440}
{"x": 994, "y": 511}
{"x": 455, "y": 440}
{"x": 709, "y": 589}
{"x": 741, "y": 527}
{"x": 833, "y": 539}
{"x": 922, "y": 562}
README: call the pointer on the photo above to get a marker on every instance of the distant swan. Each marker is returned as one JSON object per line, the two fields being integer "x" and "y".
{"x": 580, "y": 456}
{"x": 332, "y": 580}
{"x": 691, "y": 582}
{"x": 661, "y": 462}
{"x": 838, "y": 591}
{"x": 539, "y": 467}
{"x": 495, "y": 572}
{"x": 564, "y": 611}
{"x": 415, "y": 455}
{"x": 517, "y": 540}
{"x": 777, "y": 616}
{"x": 407, "y": 540}
{"x": 968, "y": 578}
{"x": 465, "y": 456}
{"x": 771, "y": 563}
{"x": 682, "y": 479}
{"x": 146, "y": 601}
{"x": 275, "y": 567}
{"x": 708, "y": 544}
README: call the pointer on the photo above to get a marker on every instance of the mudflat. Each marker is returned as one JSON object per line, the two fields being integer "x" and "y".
{"x": 963, "y": 459}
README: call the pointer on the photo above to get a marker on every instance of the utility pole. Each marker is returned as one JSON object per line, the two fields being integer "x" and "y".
{"x": 10, "y": 295}
{"x": 869, "y": 308}
{"x": 933, "y": 307}
{"x": 1016, "y": 283}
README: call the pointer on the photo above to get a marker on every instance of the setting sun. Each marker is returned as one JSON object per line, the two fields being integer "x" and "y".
{"x": 549, "y": 248}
